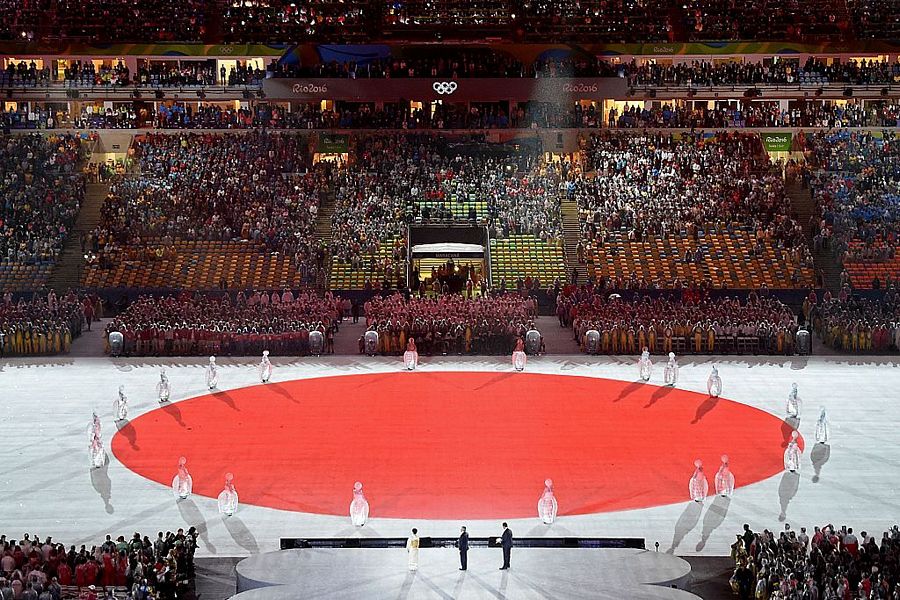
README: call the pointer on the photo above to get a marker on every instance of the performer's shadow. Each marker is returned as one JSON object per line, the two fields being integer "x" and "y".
{"x": 787, "y": 489}
{"x": 129, "y": 433}
{"x": 194, "y": 518}
{"x": 174, "y": 412}
{"x": 629, "y": 389}
{"x": 103, "y": 485}
{"x": 704, "y": 408}
{"x": 819, "y": 456}
{"x": 658, "y": 395}
{"x": 240, "y": 534}
{"x": 715, "y": 516}
{"x": 686, "y": 522}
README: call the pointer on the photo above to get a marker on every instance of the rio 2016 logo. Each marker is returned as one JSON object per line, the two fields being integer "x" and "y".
{"x": 580, "y": 87}
{"x": 308, "y": 88}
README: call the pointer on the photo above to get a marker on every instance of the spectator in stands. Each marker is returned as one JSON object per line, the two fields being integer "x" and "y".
{"x": 648, "y": 187}
{"x": 47, "y": 570}
{"x": 856, "y": 186}
{"x": 834, "y": 564}
{"x": 256, "y": 187}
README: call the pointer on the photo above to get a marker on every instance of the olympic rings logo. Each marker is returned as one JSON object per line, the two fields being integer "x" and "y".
{"x": 444, "y": 87}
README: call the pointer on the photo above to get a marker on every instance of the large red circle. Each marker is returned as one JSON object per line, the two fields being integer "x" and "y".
{"x": 444, "y": 445}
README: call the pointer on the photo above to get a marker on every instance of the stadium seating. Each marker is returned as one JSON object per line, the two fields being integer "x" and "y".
{"x": 20, "y": 277}
{"x": 727, "y": 262}
{"x": 345, "y": 277}
{"x": 521, "y": 256}
{"x": 200, "y": 266}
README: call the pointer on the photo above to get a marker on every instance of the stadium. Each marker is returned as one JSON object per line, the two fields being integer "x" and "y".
{"x": 449, "y": 299}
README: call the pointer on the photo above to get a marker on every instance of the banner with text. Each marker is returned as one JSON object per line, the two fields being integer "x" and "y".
{"x": 777, "y": 142}
{"x": 556, "y": 90}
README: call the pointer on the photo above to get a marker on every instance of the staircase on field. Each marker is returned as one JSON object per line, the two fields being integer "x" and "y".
{"x": 571, "y": 237}
{"x": 323, "y": 234}
{"x": 67, "y": 271}
{"x": 804, "y": 206}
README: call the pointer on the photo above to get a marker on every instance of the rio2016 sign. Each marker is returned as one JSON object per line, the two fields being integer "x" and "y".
{"x": 777, "y": 142}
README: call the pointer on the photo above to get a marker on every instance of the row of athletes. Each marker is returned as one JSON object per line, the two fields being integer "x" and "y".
{"x": 184, "y": 340}
{"x": 701, "y": 338}
{"x": 445, "y": 337}
{"x": 35, "y": 339}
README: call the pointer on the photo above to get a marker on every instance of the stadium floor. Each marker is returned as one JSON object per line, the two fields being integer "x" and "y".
{"x": 50, "y": 490}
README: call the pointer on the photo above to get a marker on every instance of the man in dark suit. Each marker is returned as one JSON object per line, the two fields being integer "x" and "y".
{"x": 463, "y": 544}
{"x": 506, "y": 543}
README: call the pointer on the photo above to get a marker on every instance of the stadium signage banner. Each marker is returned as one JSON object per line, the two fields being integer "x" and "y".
{"x": 333, "y": 143}
{"x": 459, "y": 90}
{"x": 777, "y": 142}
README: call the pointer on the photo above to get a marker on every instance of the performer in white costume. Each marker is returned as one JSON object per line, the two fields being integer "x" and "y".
{"x": 724, "y": 478}
{"x": 793, "y": 403}
{"x": 265, "y": 367}
{"x": 182, "y": 484}
{"x": 792, "y": 453}
{"x": 823, "y": 427}
{"x": 97, "y": 454}
{"x": 698, "y": 485}
{"x": 212, "y": 374}
{"x": 519, "y": 358}
{"x": 411, "y": 355}
{"x": 359, "y": 506}
{"x": 120, "y": 405}
{"x": 547, "y": 505}
{"x": 645, "y": 365}
{"x": 94, "y": 427}
{"x": 714, "y": 383}
{"x": 162, "y": 388}
{"x": 670, "y": 374}
{"x": 412, "y": 549}
{"x": 228, "y": 497}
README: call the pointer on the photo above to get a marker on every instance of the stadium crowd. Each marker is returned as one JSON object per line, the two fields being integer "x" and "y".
{"x": 807, "y": 114}
{"x": 781, "y": 72}
{"x": 856, "y": 186}
{"x": 249, "y": 323}
{"x": 281, "y": 21}
{"x": 40, "y": 194}
{"x": 636, "y": 187}
{"x": 160, "y": 569}
{"x": 384, "y": 185}
{"x": 450, "y": 324}
{"x": 691, "y": 323}
{"x": 827, "y": 563}
{"x": 257, "y": 187}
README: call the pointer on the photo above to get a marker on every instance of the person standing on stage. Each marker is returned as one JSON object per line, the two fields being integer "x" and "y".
{"x": 412, "y": 549}
{"x": 505, "y": 542}
{"x": 463, "y": 544}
